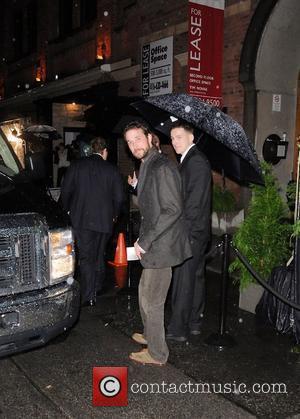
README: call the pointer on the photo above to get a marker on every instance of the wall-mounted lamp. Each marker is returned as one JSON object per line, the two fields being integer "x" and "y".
{"x": 275, "y": 148}
{"x": 101, "y": 52}
{"x": 103, "y": 45}
{"x": 40, "y": 68}
{"x": 103, "y": 49}
{"x": 38, "y": 72}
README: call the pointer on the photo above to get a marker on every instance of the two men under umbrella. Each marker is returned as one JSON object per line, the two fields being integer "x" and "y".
{"x": 162, "y": 243}
{"x": 188, "y": 281}
{"x": 223, "y": 140}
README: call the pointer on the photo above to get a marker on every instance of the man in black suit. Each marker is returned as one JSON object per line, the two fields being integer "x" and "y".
{"x": 188, "y": 286}
{"x": 92, "y": 192}
{"x": 162, "y": 243}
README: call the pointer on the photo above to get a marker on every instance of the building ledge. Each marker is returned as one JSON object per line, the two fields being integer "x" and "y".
{"x": 71, "y": 84}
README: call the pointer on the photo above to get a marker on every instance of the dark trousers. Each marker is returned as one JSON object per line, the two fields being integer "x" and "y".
{"x": 188, "y": 293}
{"x": 60, "y": 175}
{"x": 91, "y": 247}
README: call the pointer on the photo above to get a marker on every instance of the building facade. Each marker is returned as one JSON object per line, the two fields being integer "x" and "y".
{"x": 72, "y": 62}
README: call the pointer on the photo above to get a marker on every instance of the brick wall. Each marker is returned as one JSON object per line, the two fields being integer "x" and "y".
{"x": 160, "y": 19}
{"x": 237, "y": 18}
{"x": 131, "y": 22}
{"x": 67, "y": 115}
{"x": 154, "y": 19}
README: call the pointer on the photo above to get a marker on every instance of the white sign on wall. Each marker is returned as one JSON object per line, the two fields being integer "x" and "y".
{"x": 276, "y": 103}
{"x": 157, "y": 67}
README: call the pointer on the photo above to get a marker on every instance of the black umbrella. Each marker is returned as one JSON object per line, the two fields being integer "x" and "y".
{"x": 220, "y": 137}
{"x": 127, "y": 119}
{"x": 123, "y": 121}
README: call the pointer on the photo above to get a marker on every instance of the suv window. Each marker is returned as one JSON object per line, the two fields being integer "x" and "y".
{"x": 8, "y": 164}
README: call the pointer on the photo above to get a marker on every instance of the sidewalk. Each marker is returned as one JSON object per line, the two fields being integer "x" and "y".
{"x": 260, "y": 356}
{"x": 56, "y": 381}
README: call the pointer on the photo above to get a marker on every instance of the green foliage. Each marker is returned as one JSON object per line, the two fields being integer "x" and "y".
{"x": 295, "y": 349}
{"x": 263, "y": 237}
{"x": 296, "y": 229}
{"x": 291, "y": 194}
{"x": 223, "y": 200}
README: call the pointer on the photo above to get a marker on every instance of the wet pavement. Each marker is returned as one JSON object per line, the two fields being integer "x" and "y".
{"x": 56, "y": 380}
{"x": 260, "y": 358}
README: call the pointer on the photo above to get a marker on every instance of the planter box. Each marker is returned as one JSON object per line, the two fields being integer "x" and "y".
{"x": 250, "y": 296}
{"x": 226, "y": 222}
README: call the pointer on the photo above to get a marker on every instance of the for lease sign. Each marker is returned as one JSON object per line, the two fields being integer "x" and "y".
{"x": 205, "y": 51}
{"x": 157, "y": 67}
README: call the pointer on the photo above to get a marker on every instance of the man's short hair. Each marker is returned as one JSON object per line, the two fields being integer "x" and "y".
{"x": 98, "y": 144}
{"x": 136, "y": 125}
{"x": 182, "y": 124}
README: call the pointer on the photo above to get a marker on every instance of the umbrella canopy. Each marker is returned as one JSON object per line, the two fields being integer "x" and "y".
{"x": 40, "y": 131}
{"x": 126, "y": 119}
{"x": 220, "y": 137}
{"x": 123, "y": 121}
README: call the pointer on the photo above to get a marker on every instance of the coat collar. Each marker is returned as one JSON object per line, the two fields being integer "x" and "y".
{"x": 191, "y": 151}
{"x": 186, "y": 152}
{"x": 153, "y": 153}
{"x": 97, "y": 155}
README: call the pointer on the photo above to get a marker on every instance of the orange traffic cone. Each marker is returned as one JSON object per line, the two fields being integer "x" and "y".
{"x": 120, "y": 274}
{"x": 120, "y": 255}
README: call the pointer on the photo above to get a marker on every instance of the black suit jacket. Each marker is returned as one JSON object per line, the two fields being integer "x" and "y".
{"x": 196, "y": 178}
{"x": 92, "y": 191}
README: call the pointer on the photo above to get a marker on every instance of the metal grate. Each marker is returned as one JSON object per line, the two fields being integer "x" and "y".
{"x": 6, "y": 261}
{"x": 23, "y": 258}
{"x": 4, "y": 244}
{"x": 27, "y": 258}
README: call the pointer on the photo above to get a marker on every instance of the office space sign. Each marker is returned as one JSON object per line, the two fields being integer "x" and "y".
{"x": 157, "y": 67}
{"x": 205, "y": 52}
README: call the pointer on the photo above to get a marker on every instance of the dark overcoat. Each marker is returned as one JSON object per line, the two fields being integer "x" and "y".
{"x": 92, "y": 191}
{"x": 163, "y": 233}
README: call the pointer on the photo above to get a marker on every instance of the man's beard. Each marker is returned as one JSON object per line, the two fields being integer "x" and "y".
{"x": 142, "y": 153}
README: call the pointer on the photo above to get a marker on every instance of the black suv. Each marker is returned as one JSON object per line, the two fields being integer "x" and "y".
{"x": 39, "y": 297}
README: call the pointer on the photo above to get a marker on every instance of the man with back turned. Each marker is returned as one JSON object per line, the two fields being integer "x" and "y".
{"x": 92, "y": 192}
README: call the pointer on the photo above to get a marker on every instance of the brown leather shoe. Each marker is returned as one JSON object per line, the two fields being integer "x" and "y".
{"x": 139, "y": 338}
{"x": 143, "y": 357}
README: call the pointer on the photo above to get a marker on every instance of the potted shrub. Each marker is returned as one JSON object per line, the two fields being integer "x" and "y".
{"x": 225, "y": 216}
{"x": 291, "y": 195}
{"x": 263, "y": 237}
